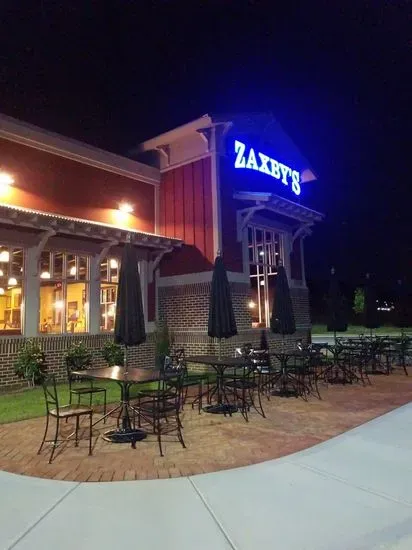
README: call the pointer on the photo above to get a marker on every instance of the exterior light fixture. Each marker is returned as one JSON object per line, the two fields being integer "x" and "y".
{"x": 6, "y": 179}
{"x": 1, "y": 273}
{"x": 113, "y": 263}
{"x": 4, "y": 256}
{"x": 251, "y": 304}
{"x": 73, "y": 270}
{"x": 45, "y": 275}
{"x": 1, "y": 291}
{"x": 126, "y": 208}
{"x": 12, "y": 281}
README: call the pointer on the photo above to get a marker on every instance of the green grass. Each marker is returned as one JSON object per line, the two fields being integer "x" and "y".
{"x": 359, "y": 329}
{"x": 29, "y": 403}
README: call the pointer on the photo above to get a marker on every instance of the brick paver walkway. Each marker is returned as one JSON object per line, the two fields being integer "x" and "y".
{"x": 213, "y": 442}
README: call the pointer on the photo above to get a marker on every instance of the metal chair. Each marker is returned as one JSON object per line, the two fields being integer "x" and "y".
{"x": 89, "y": 390}
{"x": 245, "y": 386}
{"x": 190, "y": 380}
{"x": 161, "y": 409}
{"x": 53, "y": 409}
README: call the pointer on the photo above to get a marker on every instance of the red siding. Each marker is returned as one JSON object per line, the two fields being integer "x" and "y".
{"x": 187, "y": 210}
{"x": 296, "y": 261}
{"x": 51, "y": 183}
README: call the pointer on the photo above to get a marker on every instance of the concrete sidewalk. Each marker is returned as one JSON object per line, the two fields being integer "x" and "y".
{"x": 352, "y": 492}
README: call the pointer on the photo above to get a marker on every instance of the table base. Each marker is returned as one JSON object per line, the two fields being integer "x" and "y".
{"x": 222, "y": 408}
{"x": 124, "y": 436}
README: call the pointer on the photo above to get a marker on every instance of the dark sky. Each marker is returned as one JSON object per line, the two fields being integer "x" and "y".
{"x": 335, "y": 74}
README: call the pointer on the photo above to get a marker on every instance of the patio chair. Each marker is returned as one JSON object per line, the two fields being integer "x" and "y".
{"x": 90, "y": 389}
{"x": 161, "y": 409}
{"x": 190, "y": 380}
{"x": 59, "y": 412}
{"x": 244, "y": 385}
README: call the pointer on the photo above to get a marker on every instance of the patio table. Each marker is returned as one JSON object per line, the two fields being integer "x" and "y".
{"x": 219, "y": 364}
{"x": 125, "y": 379}
{"x": 287, "y": 380}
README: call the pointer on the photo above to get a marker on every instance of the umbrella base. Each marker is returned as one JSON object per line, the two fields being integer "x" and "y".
{"x": 124, "y": 436}
{"x": 222, "y": 408}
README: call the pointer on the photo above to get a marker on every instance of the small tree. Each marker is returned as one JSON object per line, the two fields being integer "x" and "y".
{"x": 113, "y": 354}
{"x": 164, "y": 341}
{"x": 31, "y": 363}
{"x": 359, "y": 301}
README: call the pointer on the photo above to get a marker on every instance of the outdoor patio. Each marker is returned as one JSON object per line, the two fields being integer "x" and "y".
{"x": 213, "y": 442}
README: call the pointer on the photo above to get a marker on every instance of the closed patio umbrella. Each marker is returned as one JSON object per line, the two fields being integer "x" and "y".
{"x": 401, "y": 306}
{"x": 337, "y": 314}
{"x": 129, "y": 328}
{"x": 222, "y": 322}
{"x": 370, "y": 312}
{"x": 282, "y": 320}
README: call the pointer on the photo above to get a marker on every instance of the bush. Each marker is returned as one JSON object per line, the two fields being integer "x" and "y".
{"x": 31, "y": 363}
{"x": 113, "y": 354}
{"x": 78, "y": 357}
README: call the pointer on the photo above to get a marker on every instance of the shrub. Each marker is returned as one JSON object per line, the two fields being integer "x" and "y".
{"x": 78, "y": 357}
{"x": 113, "y": 354}
{"x": 31, "y": 363}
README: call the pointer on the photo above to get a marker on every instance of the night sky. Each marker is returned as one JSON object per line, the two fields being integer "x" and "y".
{"x": 335, "y": 77}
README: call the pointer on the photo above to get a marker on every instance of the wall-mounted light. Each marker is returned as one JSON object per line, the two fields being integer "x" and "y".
{"x": 1, "y": 273}
{"x": 113, "y": 263}
{"x": 4, "y": 256}
{"x": 1, "y": 291}
{"x": 251, "y": 304}
{"x": 12, "y": 281}
{"x": 6, "y": 179}
{"x": 73, "y": 271}
{"x": 45, "y": 275}
{"x": 126, "y": 208}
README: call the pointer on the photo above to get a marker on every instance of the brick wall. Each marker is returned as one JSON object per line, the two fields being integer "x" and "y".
{"x": 185, "y": 308}
{"x": 55, "y": 348}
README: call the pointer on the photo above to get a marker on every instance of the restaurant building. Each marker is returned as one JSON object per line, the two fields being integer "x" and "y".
{"x": 234, "y": 184}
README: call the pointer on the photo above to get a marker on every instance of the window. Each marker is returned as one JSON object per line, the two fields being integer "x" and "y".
{"x": 11, "y": 289}
{"x": 64, "y": 291}
{"x": 109, "y": 279}
{"x": 265, "y": 252}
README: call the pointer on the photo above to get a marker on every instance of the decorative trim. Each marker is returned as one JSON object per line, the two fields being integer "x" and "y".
{"x": 197, "y": 278}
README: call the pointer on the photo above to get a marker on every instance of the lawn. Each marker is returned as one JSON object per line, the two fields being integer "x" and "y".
{"x": 359, "y": 329}
{"x": 24, "y": 404}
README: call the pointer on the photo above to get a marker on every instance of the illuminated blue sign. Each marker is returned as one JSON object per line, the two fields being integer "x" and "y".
{"x": 247, "y": 158}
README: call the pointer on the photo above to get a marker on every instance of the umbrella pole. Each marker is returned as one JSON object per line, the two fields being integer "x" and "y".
{"x": 125, "y": 359}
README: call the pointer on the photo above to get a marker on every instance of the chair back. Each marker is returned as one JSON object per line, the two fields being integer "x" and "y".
{"x": 50, "y": 393}
{"x": 170, "y": 384}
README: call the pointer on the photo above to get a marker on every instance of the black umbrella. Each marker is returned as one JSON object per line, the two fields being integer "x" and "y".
{"x": 222, "y": 322}
{"x": 370, "y": 312}
{"x": 282, "y": 320}
{"x": 129, "y": 328}
{"x": 401, "y": 306}
{"x": 337, "y": 314}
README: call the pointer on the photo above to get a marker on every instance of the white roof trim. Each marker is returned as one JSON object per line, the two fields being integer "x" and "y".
{"x": 32, "y": 136}
{"x": 166, "y": 138}
{"x": 36, "y": 219}
{"x": 285, "y": 207}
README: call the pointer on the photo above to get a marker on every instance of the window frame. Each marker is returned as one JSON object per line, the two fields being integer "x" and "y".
{"x": 65, "y": 280}
{"x": 264, "y": 269}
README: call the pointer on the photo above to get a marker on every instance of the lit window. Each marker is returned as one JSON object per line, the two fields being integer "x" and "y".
{"x": 109, "y": 279}
{"x": 265, "y": 253}
{"x": 64, "y": 290}
{"x": 11, "y": 289}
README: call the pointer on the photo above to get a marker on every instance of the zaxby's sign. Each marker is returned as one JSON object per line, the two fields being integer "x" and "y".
{"x": 247, "y": 158}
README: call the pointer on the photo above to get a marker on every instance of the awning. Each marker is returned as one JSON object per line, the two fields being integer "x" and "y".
{"x": 268, "y": 201}
{"x": 77, "y": 227}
